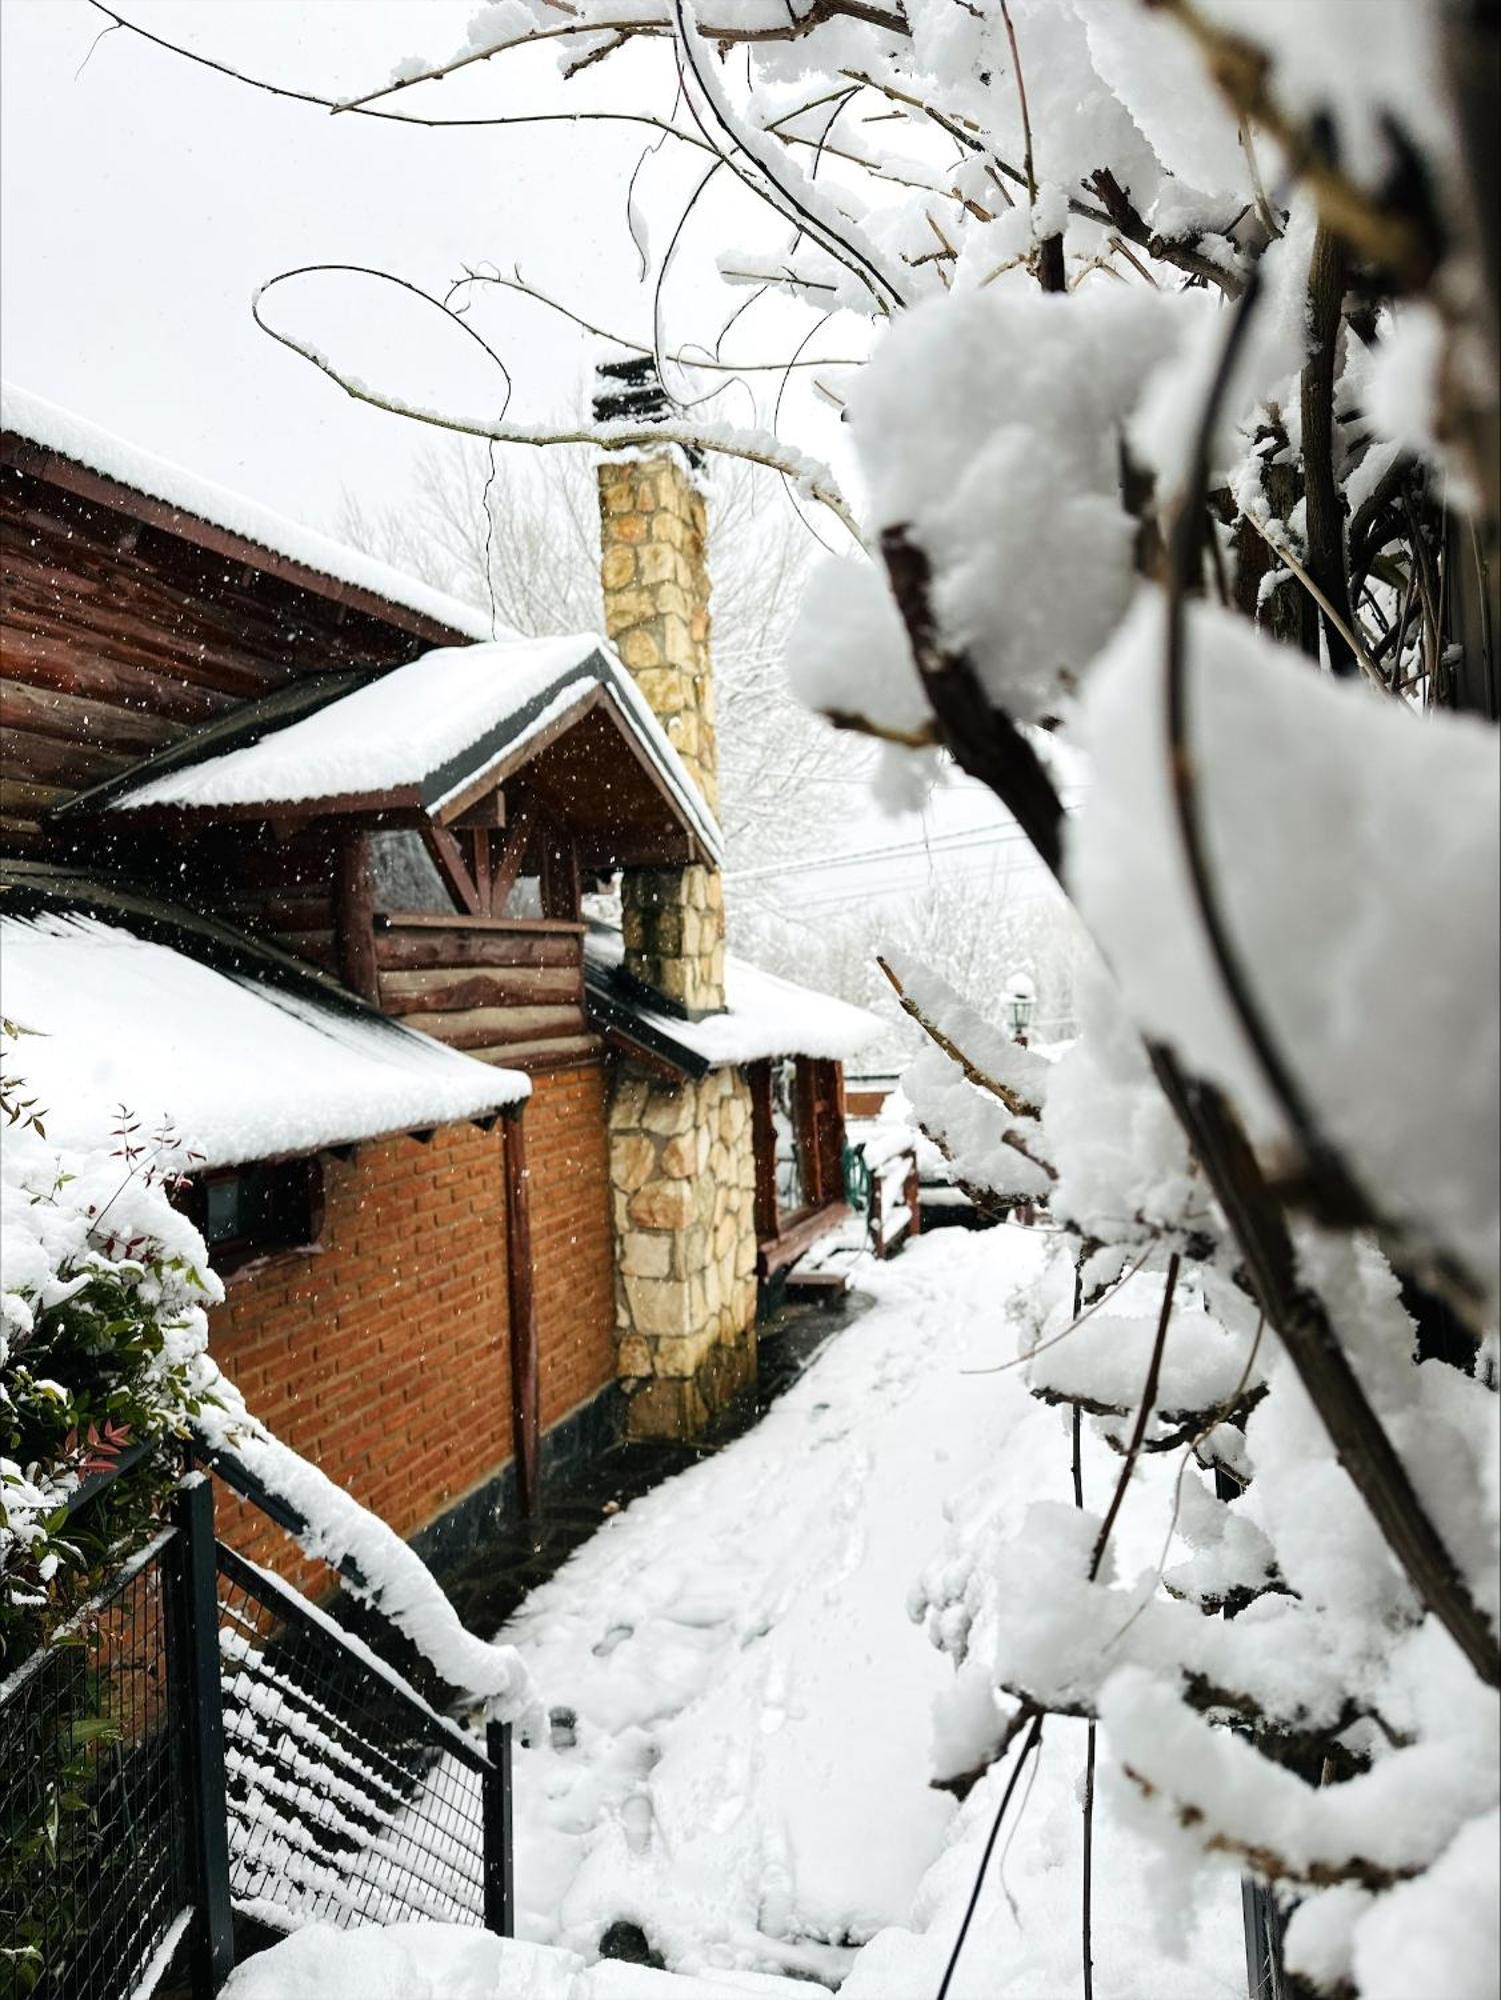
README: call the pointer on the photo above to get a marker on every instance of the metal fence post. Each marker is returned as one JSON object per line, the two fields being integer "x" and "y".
{"x": 500, "y": 1876}
{"x": 196, "y": 1629}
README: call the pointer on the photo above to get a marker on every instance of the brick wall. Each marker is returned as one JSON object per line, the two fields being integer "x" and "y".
{"x": 384, "y": 1356}
{"x": 572, "y": 1258}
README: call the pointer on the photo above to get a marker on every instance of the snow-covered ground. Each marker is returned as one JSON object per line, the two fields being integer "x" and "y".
{"x": 747, "y": 1775}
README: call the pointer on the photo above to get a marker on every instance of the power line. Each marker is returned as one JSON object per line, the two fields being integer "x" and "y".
{"x": 961, "y": 840}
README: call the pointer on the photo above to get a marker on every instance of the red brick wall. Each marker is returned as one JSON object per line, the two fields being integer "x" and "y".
{"x": 572, "y": 1254}
{"x": 383, "y": 1356}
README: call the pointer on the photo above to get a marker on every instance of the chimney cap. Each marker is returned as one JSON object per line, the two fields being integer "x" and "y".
{"x": 631, "y": 392}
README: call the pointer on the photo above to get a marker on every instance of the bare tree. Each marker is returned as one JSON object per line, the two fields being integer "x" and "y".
{"x": 517, "y": 534}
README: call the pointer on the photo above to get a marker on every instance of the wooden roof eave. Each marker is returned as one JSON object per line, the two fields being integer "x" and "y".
{"x": 68, "y": 475}
{"x": 403, "y": 799}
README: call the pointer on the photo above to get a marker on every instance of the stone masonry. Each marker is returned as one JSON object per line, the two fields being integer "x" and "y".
{"x": 682, "y": 1170}
{"x": 682, "y": 1188}
{"x": 656, "y": 593}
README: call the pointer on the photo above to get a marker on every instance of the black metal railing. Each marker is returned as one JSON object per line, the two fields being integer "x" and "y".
{"x": 349, "y": 1799}
{"x": 198, "y": 1743}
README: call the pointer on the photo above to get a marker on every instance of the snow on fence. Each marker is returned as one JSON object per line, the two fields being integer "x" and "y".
{"x": 200, "y": 1743}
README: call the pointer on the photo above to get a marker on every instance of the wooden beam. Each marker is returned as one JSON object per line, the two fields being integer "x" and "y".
{"x": 508, "y": 867}
{"x": 449, "y": 856}
{"x": 414, "y": 920}
{"x": 526, "y": 1385}
{"x": 488, "y": 810}
{"x": 354, "y": 913}
{"x": 560, "y": 876}
{"x": 764, "y": 1148}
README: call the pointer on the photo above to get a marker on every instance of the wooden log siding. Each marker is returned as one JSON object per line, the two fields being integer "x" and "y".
{"x": 507, "y": 992}
{"x": 120, "y": 636}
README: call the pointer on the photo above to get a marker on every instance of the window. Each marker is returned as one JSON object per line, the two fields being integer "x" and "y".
{"x": 245, "y": 1213}
{"x": 404, "y": 876}
{"x": 792, "y": 1179}
{"x": 798, "y": 1127}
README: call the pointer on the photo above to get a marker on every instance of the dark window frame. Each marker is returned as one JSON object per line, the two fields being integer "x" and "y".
{"x": 819, "y": 1136}
{"x": 282, "y": 1204}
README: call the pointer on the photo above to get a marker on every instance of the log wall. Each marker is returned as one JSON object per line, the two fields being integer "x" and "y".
{"x": 118, "y": 637}
{"x": 509, "y": 992}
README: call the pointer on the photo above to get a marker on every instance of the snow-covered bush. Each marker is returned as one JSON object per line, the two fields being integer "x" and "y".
{"x": 103, "y": 1337}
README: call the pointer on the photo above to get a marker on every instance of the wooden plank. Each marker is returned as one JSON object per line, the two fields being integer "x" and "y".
{"x": 65, "y": 665}
{"x": 47, "y": 759}
{"x": 449, "y": 947}
{"x": 526, "y": 1372}
{"x": 288, "y": 815}
{"x": 561, "y": 1052}
{"x": 20, "y": 799}
{"x": 443, "y": 989}
{"x": 47, "y": 712}
{"x": 507, "y": 866}
{"x": 419, "y": 920}
{"x": 494, "y": 1027}
{"x": 317, "y": 947}
{"x": 779, "y": 1251}
{"x": 19, "y": 835}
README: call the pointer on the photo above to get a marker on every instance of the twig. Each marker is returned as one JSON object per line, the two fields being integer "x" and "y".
{"x": 1143, "y": 1418}
{"x": 982, "y": 739}
{"x": 1021, "y": 1360}
{"x": 816, "y": 479}
{"x": 1348, "y": 631}
{"x": 1026, "y": 1714}
{"x": 1086, "y": 1858}
{"x": 1326, "y": 534}
{"x": 1013, "y": 1101}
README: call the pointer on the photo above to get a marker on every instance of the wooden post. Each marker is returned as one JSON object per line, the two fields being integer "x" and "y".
{"x": 526, "y": 1398}
{"x": 764, "y": 1142}
{"x": 560, "y": 876}
{"x": 196, "y": 1695}
{"x": 354, "y": 915}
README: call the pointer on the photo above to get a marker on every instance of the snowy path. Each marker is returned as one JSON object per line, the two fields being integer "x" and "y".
{"x": 749, "y": 1779}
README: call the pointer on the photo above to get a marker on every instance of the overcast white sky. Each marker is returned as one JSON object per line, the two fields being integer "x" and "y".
{"x": 145, "y": 198}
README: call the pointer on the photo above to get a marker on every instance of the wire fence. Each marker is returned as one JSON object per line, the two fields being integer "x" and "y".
{"x": 199, "y": 1744}
{"x": 93, "y": 1867}
{"x": 350, "y": 1801}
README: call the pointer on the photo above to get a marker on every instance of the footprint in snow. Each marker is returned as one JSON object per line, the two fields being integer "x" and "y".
{"x": 615, "y": 1636}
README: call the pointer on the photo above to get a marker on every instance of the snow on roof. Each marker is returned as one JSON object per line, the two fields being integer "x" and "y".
{"x": 244, "y": 1071}
{"x": 765, "y": 1015}
{"x": 72, "y": 437}
{"x": 436, "y": 724}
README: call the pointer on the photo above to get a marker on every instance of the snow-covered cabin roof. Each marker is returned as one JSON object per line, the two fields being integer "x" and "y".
{"x": 765, "y": 1015}
{"x": 426, "y": 733}
{"x": 244, "y": 1070}
{"x": 71, "y": 437}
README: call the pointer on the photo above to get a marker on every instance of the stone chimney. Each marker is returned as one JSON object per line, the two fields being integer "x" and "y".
{"x": 654, "y": 571}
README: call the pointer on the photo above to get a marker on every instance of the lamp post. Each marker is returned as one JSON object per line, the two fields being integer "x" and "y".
{"x": 1021, "y": 1000}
